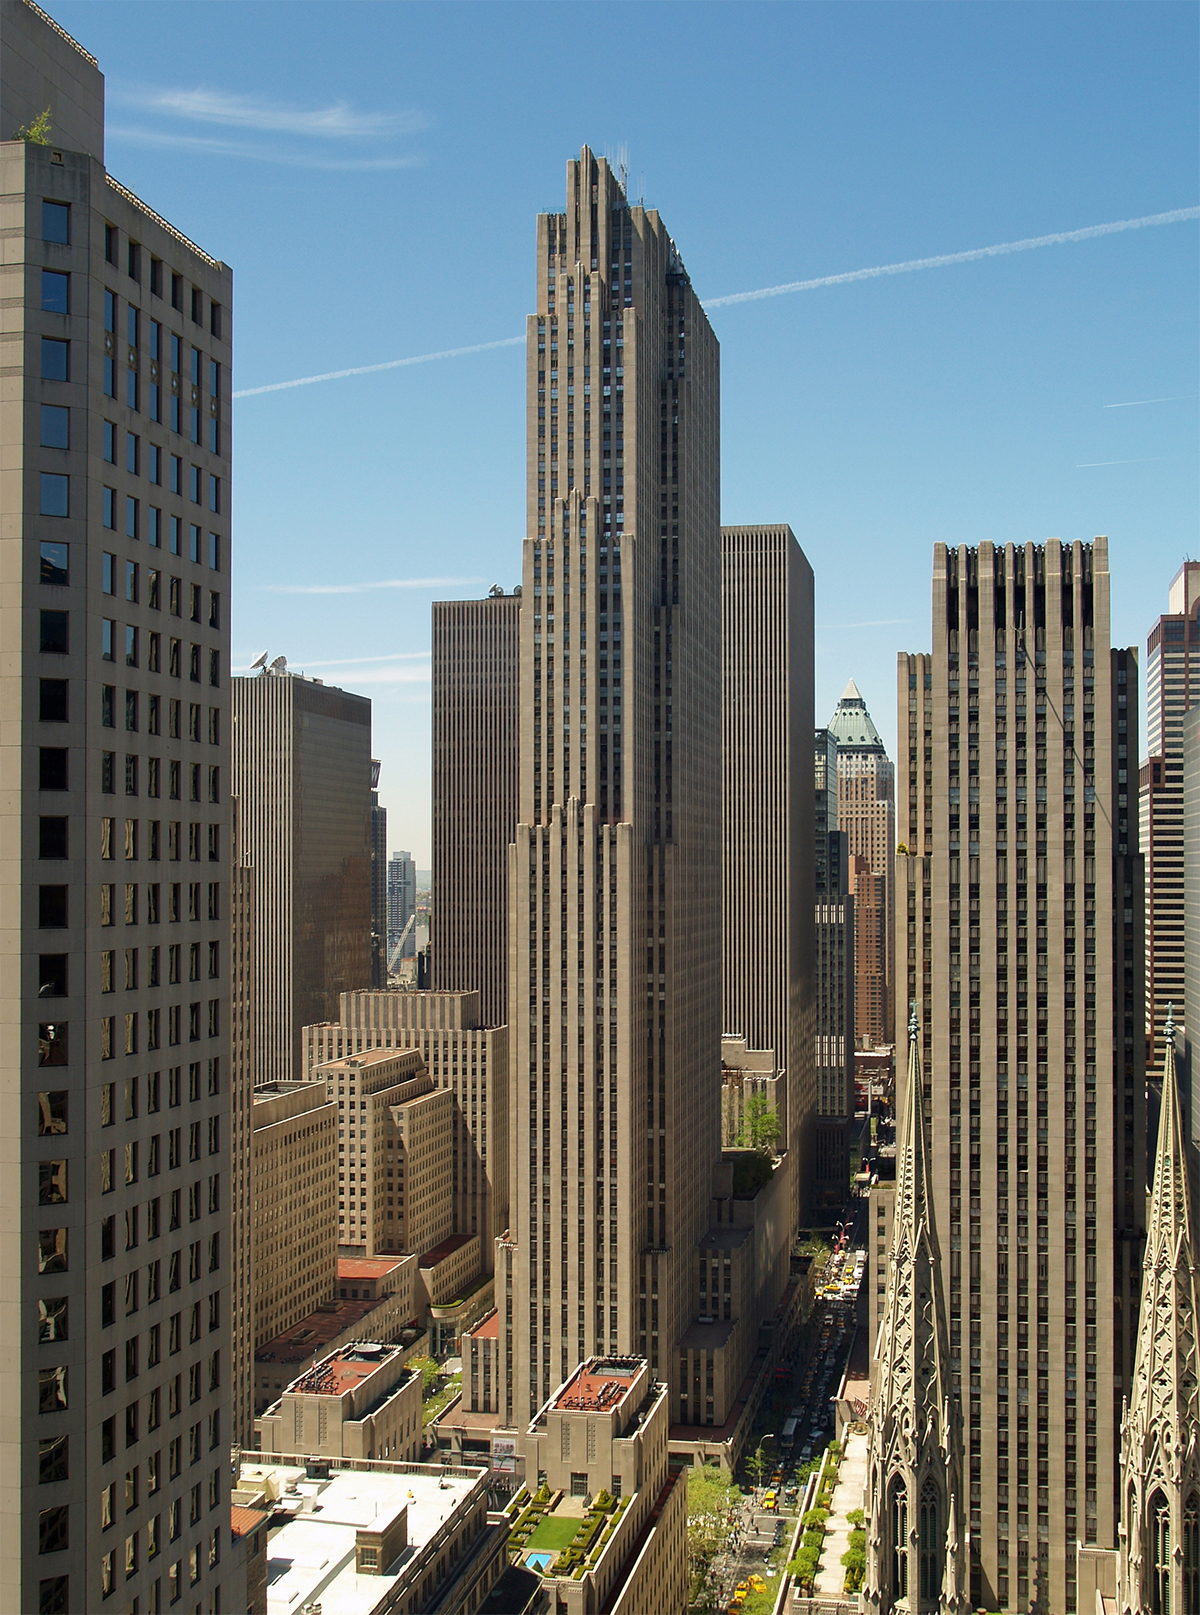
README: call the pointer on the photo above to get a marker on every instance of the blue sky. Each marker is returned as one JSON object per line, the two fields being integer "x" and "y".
{"x": 372, "y": 173}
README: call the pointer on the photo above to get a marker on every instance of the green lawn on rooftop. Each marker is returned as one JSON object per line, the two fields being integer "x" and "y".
{"x": 554, "y": 1533}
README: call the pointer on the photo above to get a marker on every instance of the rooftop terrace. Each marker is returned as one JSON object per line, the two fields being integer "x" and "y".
{"x": 345, "y": 1370}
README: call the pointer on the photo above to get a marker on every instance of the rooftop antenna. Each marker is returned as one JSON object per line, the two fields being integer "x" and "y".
{"x": 623, "y": 164}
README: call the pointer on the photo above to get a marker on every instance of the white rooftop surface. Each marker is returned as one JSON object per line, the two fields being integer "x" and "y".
{"x": 313, "y": 1557}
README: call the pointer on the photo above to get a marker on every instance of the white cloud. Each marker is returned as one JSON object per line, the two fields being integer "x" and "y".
{"x": 337, "y": 121}
{"x": 243, "y": 151}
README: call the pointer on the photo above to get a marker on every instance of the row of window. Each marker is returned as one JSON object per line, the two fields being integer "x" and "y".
{"x": 54, "y": 775}
{"x": 112, "y": 574}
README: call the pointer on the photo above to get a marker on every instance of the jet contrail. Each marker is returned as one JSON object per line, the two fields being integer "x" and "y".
{"x": 1060, "y": 238}
{"x": 388, "y": 364}
{"x": 1176, "y": 216}
{"x": 1132, "y": 403}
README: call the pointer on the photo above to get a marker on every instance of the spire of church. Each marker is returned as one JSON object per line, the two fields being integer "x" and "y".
{"x": 916, "y": 1546}
{"x": 1160, "y": 1461}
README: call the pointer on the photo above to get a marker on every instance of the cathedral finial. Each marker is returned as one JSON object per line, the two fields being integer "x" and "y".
{"x": 1169, "y": 1028}
{"x": 913, "y": 1026}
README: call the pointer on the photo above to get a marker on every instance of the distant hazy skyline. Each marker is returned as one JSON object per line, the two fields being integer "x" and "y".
{"x": 372, "y": 174}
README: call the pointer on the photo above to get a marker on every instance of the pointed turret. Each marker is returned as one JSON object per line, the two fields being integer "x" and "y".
{"x": 916, "y": 1547}
{"x": 851, "y": 724}
{"x": 1160, "y": 1461}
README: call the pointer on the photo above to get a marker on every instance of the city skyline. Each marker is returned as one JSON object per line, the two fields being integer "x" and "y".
{"x": 926, "y": 399}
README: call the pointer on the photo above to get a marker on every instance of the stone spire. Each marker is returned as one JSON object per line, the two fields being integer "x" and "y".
{"x": 1160, "y": 1463}
{"x": 916, "y": 1546}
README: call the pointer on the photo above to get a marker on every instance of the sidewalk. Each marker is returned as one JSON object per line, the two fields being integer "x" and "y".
{"x": 847, "y": 1496}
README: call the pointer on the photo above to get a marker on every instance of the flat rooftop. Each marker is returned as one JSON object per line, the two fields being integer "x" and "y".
{"x": 368, "y": 1267}
{"x": 599, "y": 1388}
{"x": 312, "y": 1334}
{"x": 448, "y": 1246}
{"x": 489, "y": 1329}
{"x": 312, "y": 1556}
{"x": 346, "y": 1369}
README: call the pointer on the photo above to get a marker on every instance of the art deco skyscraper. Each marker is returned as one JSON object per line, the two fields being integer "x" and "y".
{"x": 379, "y": 950}
{"x": 475, "y": 722}
{"x": 302, "y": 776}
{"x": 867, "y": 813}
{"x": 1172, "y": 688}
{"x": 614, "y": 880}
{"x": 767, "y": 722}
{"x": 1020, "y": 921}
{"x": 114, "y": 830}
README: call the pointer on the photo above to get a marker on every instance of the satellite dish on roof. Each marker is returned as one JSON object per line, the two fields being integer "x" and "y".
{"x": 259, "y": 661}
{"x": 279, "y": 665}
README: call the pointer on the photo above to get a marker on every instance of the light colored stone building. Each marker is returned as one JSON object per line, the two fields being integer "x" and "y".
{"x": 302, "y": 775}
{"x": 294, "y": 1205}
{"x": 464, "y": 1057}
{"x": 475, "y": 721}
{"x": 1019, "y": 922}
{"x": 241, "y": 1143}
{"x": 360, "y": 1402}
{"x": 114, "y": 847}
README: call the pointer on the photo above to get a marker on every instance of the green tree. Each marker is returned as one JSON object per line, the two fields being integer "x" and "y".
{"x": 760, "y": 1125}
{"x": 710, "y": 1496}
{"x": 37, "y": 131}
{"x": 429, "y": 1371}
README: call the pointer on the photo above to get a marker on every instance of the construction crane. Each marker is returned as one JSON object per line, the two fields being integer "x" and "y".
{"x": 394, "y": 956}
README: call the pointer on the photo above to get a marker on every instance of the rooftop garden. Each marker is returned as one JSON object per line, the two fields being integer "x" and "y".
{"x": 576, "y": 1542}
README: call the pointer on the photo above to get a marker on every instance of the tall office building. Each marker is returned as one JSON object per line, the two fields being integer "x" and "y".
{"x": 1020, "y": 919}
{"x": 867, "y": 813}
{"x": 832, "y": 867}
{"x": 475, "y": 721}
{"x": 401, "y": 903}
{"x": 302, "y": 776}
{"x": 1172, "y": 660}
{"x": 114, "y": 1331}
{"x": 769, "y": 969}
{"x": 379, "y": 875}
{"x": 615, "y": 876}
{"x": 1190, "y": 1066}
{"x": 835, "y": 978}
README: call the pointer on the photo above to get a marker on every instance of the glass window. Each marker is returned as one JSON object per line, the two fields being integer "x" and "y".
{"x": 52, "y": 1382}
{"x": 194, "y": 537}
{"x": 131, "y": 581}
{"x": 131, "y": 389}
{"x": 56, "y": 222}
{"x": 52, "y": 768}
{"x": 153, "y": 526}
{"x": 154, "y": 462}
{"x": 194, "y": 484}
{"x": 55, "y": 287}
{"x": 131, "y": 516}
{"x": 52, "y": 1250}
{"x": 132, "y": 321}
{"x": 52, "y": 908}
{"x": 56, "y": 493}
{"x": 54, "y": 632}
{"x": 108, "y": 573}
{"x": 110, "y": 311}
{"x": 132, "y": 447}
{"x": 110, "y": 442}
{"x": 54, "y": 359}
{"x": 54, "y": 562}
{"x": 214, "y": 493}
{"x": 176, "y": 474}
{"x": 56, "y": 427}
{"x": 52, "y": 700}
{"x": 131, "y": 646}
{"x": 52, "y": 836}
{"x": 109, "y": 508}
{"x": 156, "y": 334}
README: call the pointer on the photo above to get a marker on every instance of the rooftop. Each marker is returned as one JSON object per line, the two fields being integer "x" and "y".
{"x": 447, "y": 1247}
{"x": 599, "y": 1386}
{"x": 851, "y": 723}
{"x": 311, "y": 1334}
{"x": 312, "y": 1556}
{"x": 343, "y": 1371}
{"x": 368, "y": 1267}
{"x": 489, "y": 1329}
{"x": 244, "y": 1520}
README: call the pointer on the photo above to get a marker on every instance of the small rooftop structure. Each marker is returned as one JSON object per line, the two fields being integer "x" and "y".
{"x": 599, "y": 1385}
{"x": 344, "y": 1370}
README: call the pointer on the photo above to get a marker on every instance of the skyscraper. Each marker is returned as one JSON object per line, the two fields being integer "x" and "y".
{"x": 835, "y": 978}
{"x": 401, "y": 902}
{"x": 302, "y": 775}
{"x": 1172, "y": 663}
{"x": 475, "y": 722}
{"x": 114, "y": 822}
{"x": 767, "y": 720}
{"x": 1020, "y": 918}
{"x": 379, "y": 876}
{"x": 614, "y": 879}
{"x": 867, "y": 813}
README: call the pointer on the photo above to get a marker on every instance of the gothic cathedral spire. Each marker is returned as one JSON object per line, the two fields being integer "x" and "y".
{"x": 1160, "y": 1461}
{"x": 916, "y": 1545}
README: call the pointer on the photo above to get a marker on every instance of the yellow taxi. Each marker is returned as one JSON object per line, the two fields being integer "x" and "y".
{"x": 770, "y": 1499}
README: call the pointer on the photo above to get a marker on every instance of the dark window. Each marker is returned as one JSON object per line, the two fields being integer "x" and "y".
{"x": 56, "y": 493}
{"x": 52, "y": 768}
{"x": 52, "y": 907}
{"x": 52, "y": 975}
{"x": 177, "y": 295}
{"x": 108, "y": 1441}
{"x": 56, "y": 427}
{"x": 56, "y": 222}
{"x": 54, "y": 359}
{"x": 54, "y": 1592}
{"x": 110, "y": 247}
{"x": 156, "y": 281}
{"x": 52, "y": 1460}
{"x": 54, "y": 632}
{"x": 134, "y": 261}
{"x": 55, "y": 287}
{"x": 132, "y": 445}
{"x": 52, "y": 700}
{"x": 52, "y": 836}
{"x": 52, "y": 1530}
{"x": 54, "y": 561}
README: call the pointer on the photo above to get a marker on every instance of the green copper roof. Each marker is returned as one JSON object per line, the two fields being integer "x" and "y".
{"x": 851, "y": 724}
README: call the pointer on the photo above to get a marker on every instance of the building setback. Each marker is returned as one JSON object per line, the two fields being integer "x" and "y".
{"x": 1172, "y": 688}
{"x": 1020, "y": 920}
{"x": 867, "y": 813}
{"x": 114, "y": 841}
{"x": 302, "y": 775}
{"x": 614, "y": 879}
{"x": 475, "y": 723}
{"x": 768, "y": 817}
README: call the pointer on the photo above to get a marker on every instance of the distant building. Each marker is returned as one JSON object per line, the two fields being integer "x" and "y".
{"x": 867, "y": 813}
{"x": 835, "y": 979}
{"x": 1172, "y": 688}
{"x": 293, "y": 1257}
{"x": 401, "y": 906}
{"x": 475, "y": 723}
{"x": 360, "y": 1402}
{"x": 302, "y": 773}
{"x": 379, "y": 882}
